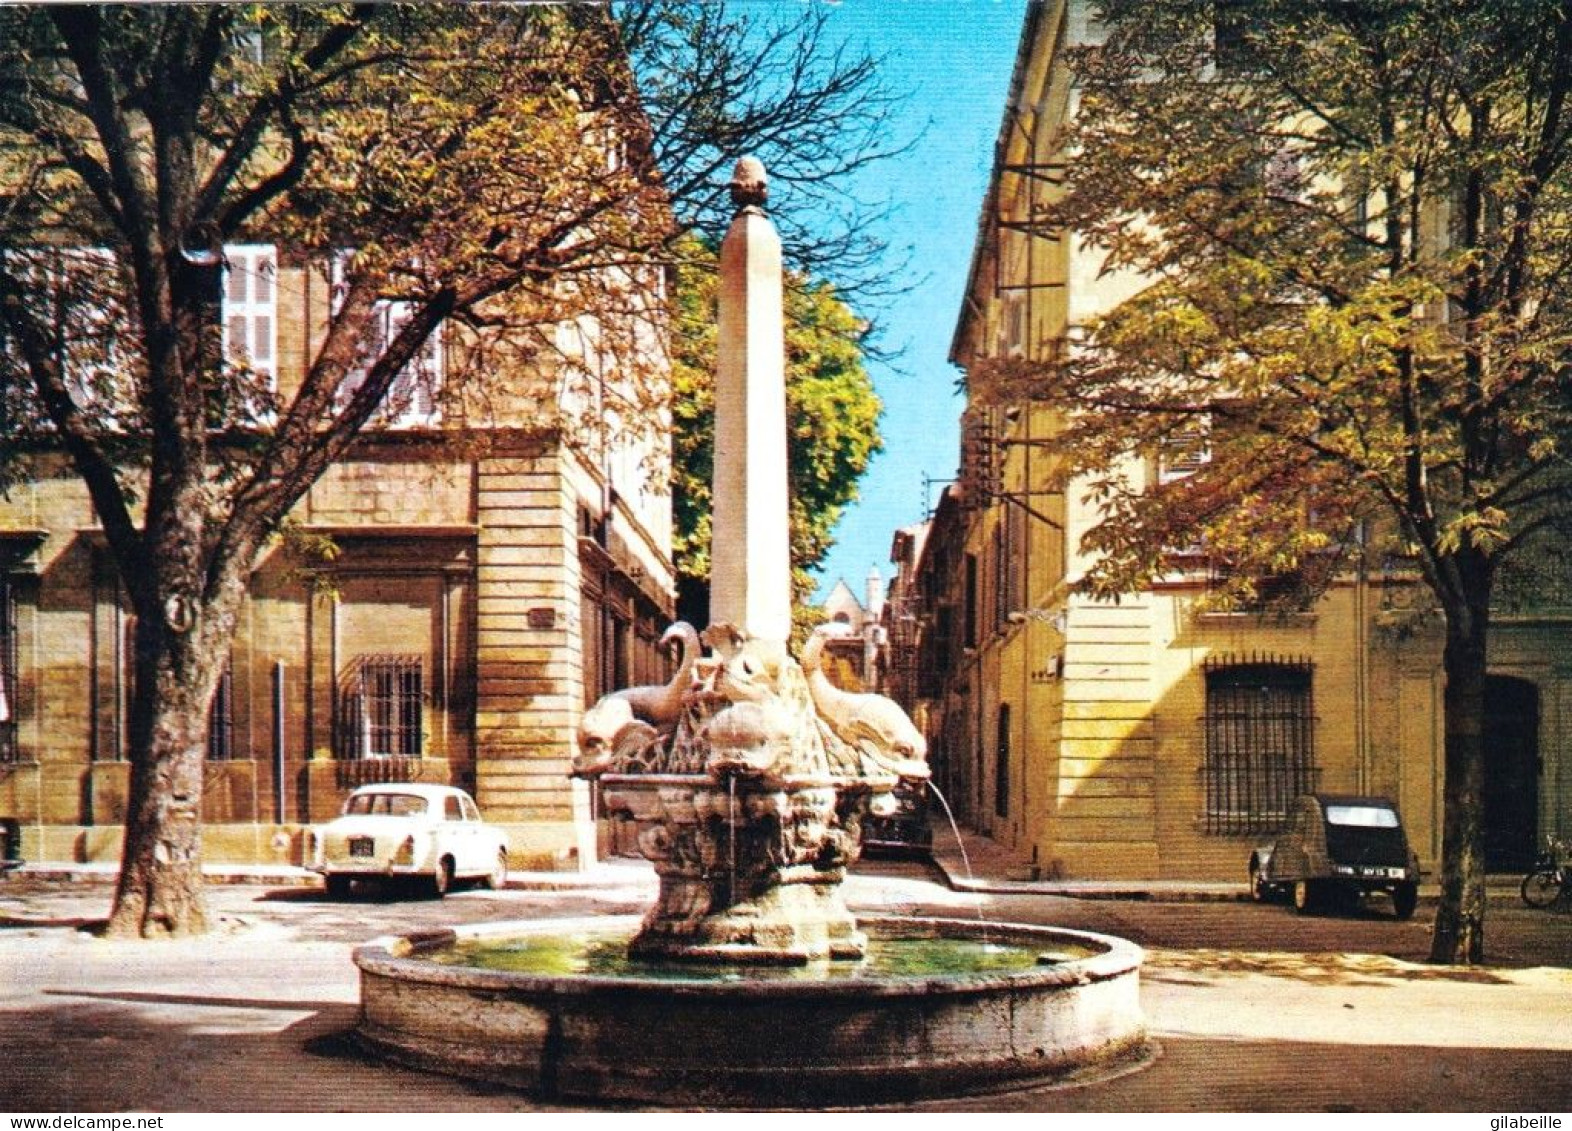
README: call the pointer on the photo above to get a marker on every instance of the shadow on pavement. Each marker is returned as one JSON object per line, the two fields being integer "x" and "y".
{"x": 1329, "y": 969}
{"x": 91, "y": 923}
{"x": 180, "y": 1052}
{"x": 133, "y": 997}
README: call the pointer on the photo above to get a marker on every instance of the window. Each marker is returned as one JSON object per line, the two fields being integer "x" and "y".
{"x": 593, "y": 525}
{"x": 220, "y": 712}
{"x": 621, "y": 652}
{"x": 221, "y": 719}
{"x": 607, "y": 140}
{"x": 84, "y": 294}
{"x": 251, "y": 308}
{"x": 969, "y": 637}
{"x": 1361, "y": 816}
{"x": 1284, "y": 176}
{"x": 380, "y": 708}
{"x": 1184, "y": 451}
{"x": 1001, "y": 572}
{"x": 1012, "y": 329}
{"x": 1289, "y": 591}
{"x": 8, "y": 671}
{"x": 1260, "y": 742}
{"x": 250, "y": 46}
{"x": 934, "y": 648}
{"x": 80, "y": 301}
{"x": 1230, "y": 35}
{"x": 607, "y": 635}
{"x": 384, "y": 805}
{"x": 91, "y": 310}
{"x": 1013, "y": 574}
{"x": 1001, "y": 764}
{"x": 411, "y": 399}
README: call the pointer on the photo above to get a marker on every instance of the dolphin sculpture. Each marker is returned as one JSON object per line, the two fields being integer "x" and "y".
{"x": 657, "y": 705}
{"x": 873, "y": 724}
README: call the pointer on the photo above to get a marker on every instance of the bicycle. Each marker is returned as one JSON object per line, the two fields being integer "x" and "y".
{"x": 1550, "y": 879}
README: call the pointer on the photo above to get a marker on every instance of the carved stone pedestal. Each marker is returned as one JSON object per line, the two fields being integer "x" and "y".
{"x": 749, "y": 872}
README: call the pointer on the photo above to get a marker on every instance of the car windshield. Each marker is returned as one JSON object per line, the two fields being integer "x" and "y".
{"x": 1361, "y": 816}
{"x": 384, "y": 805}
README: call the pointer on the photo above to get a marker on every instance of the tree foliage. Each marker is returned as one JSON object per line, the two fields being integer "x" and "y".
{"x": 832, "y": 417}
{"x": 490, "y": 170}
{"x": 773, "y": 81}
{"x": 1353, "y": 220}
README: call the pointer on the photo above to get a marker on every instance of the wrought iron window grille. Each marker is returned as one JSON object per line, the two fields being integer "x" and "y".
{"x": 381, "y": 701}
{"x": 221, "y": 720}
{"x": 1260, "y": 741}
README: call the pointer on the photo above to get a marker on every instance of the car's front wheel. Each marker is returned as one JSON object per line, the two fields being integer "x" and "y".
{"x": 337, "y": 886}
{"x": 1405, "y": 897}
{"x": 1258, "y": 890}
{"x": 498, "y": 876}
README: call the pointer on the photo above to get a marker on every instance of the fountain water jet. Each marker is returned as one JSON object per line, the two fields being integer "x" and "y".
{"x": 745, "y": 781}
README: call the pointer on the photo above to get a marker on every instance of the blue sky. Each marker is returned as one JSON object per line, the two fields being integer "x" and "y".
{"x": 954, "y": 56}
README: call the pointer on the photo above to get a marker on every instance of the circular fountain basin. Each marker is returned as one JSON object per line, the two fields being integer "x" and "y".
{"x": 940, "y": 1007}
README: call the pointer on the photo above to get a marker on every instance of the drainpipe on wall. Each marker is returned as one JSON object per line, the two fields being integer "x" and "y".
{"x": 278, "y": 742}
{"x": 1362, "y": 666}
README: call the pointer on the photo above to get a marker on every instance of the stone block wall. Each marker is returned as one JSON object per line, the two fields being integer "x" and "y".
{"x": 470, "y": 567}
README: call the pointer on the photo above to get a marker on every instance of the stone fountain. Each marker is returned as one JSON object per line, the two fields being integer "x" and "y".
{"x": 745, "y": 780}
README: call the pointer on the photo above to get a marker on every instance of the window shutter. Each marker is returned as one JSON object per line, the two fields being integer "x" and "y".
{"x": 411, "y": 398}
{"x": 1184, "y": 452}
{"x": 251, "y": 308}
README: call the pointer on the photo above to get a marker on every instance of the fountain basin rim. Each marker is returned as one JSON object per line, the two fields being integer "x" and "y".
{"x": 398, "y": 956}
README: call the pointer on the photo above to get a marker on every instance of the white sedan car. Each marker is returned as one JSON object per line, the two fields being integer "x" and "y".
{"x": 430, "y": 833}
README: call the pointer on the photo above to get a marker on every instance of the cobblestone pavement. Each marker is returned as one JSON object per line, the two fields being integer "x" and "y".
{"x": 1250, "y": 1007}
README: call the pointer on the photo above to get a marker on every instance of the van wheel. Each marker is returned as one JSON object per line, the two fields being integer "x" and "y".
{"x": 1405, "y": 897}
{"x": 1307, "y": 896}
{"x": 1258, "y": 890}
{"x": 337, "y": 886}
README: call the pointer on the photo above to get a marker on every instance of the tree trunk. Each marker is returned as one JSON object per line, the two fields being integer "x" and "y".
{"x": 1459, "y": 932}
{"x": 160, "y": 888}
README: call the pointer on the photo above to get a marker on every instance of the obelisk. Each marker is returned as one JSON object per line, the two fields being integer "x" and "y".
{"x": 750, "y": 540}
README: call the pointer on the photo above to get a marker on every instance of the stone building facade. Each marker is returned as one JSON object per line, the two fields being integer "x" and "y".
{"x": 1150, "y": 738}
{"x": 856, "y": 648}
{"x": 483, "y": 586}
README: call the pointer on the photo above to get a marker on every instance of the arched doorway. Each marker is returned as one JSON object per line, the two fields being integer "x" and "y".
{"x": 1511, "y": 817}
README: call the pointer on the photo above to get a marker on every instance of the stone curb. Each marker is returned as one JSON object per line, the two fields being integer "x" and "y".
{"x": 1153, "y": 891}
{"x": 596, "y": 879}
{"x": 1165, "y": 891}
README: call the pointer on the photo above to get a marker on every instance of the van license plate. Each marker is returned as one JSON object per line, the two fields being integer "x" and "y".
{"x": 362, "y": 846}
{"x": 1382, "y": 873}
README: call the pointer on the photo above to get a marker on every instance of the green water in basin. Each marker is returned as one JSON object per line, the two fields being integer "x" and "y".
{"x": 604, "y": 954}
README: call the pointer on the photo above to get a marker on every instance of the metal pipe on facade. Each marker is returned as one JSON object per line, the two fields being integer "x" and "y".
{"x": 278, "y": 742}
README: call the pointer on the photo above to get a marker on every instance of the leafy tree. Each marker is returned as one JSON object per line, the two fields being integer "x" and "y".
{"x": 832, "y": 416}
{"x": 490, "y": 169}
{"x": 1353, "y": 215}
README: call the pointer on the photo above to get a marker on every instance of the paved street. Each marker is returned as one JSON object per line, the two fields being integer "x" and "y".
{"x": 1251, "y": 1007}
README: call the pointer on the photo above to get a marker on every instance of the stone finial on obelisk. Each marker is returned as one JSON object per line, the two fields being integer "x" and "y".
{"x": 750, "y": 548}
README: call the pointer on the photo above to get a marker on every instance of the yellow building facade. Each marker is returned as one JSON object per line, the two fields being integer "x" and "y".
{"x": 1150, "y": 737}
